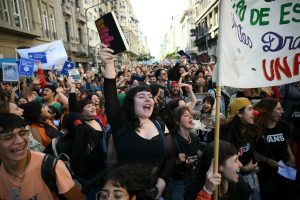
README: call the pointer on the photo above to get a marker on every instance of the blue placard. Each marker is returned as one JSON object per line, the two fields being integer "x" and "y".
{"x": 26, "y": 67}
{"x": 68, "y": 65}
{"x": 41, "y": 56}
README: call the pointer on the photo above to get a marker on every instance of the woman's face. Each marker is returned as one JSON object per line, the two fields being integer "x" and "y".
{"x": 13, "y": 108}
{"x": 181, "y": 70}
{"x": 247, "y": 116}
{"x": 186, "y": 120}
{"x": 111, "y": 192}
{"x": 231, "y": 168}
{"x": 206, "y": 106}
{"x": 277, "y": 113}
{"x": 45, "y": 112}
{"x": 89, "y": 111}
{"x": 96, "y": 101}
{"x": 143, "y": 104}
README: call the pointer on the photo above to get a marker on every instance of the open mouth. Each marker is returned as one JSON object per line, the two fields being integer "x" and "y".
{"x": 147, "y": 107}
{"x": 18, "y": 149}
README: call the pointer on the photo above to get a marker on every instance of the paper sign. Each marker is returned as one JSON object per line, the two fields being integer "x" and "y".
{"x": 55, "y": 53}
{"x": 10, "y": 72}
{"x": 286, "y": 171}
{"x": 26, "y": 67}
{"x": 67, "y": 66}
{"x": 74, "y": 73}
{"x": 41, "y": 56}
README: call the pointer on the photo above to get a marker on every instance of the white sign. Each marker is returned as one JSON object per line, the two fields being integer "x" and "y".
{"x": 259, "y": 43}
{"x": 55, "y": 53}
{"x": 10, "y": 72}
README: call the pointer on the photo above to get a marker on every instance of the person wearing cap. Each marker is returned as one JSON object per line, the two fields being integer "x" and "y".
{"x": 49, "y": 98}
{"x": 239, "y": 130}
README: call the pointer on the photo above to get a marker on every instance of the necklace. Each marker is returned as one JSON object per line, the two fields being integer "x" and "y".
{"x": 16, "y": 191}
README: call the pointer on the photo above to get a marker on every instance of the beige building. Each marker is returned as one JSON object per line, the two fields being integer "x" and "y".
{"x": 27, "y": 23}
{"x": 207, "y": 25}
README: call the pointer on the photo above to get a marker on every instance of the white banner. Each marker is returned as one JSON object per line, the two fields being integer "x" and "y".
{"x": 259, "y": 43}
{"x": 55, "y": 53}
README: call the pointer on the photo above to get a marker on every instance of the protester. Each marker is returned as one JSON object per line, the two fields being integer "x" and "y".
{"x": 127, "y": 182}
{"x": 184, "y": 183}
{"x": 38, "y": 115}
{"x": 231, "y": 187}
{"x": 20, "y": 170}
{"x": 149, "y": 141}
{"x": 83, "y": 147}
{"x": 273, "y": 150}
{"x": 7, "y": 107}
{"x": 240, "y": 131}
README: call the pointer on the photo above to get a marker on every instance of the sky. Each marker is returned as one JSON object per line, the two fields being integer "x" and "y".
{"x": 155, "y": 19}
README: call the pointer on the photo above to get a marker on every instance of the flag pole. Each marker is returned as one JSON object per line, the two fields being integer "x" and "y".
{"x": 216, "y": 137}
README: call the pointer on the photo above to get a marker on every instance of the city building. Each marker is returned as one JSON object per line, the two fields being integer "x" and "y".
{"x": 27, "y": 23}
{"x": 206, "y": 28}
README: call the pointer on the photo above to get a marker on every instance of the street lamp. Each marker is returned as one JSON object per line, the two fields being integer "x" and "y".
{"x": 87, "y": 30}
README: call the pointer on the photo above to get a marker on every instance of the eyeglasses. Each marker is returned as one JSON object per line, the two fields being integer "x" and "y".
{"x": 104, "y": 195}
{"x": 8, "y": 137}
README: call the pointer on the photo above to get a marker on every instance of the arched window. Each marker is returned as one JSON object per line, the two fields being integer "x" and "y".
{"x": 67, "y": 31}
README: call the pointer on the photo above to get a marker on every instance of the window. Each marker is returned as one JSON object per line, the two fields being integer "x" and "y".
{"x": 80, "y": 35}
{"x": 53, "y": 26}
{"x": 25, "y": 14}
{"x": 5, "y": 11}
{"x": 16, "y": 13}
{"x": 67, "y": 31}
{"x": 45, "y": 23}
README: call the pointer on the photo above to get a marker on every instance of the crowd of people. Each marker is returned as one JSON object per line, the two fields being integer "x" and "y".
{"x": 146, "y": 132}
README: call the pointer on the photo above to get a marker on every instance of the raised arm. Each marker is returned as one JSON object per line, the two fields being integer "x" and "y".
{"x": 113, "y": 108}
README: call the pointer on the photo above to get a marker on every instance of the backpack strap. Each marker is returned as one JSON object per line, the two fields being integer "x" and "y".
{"x": 48, "y": 172}
{"x": 162, "y": 135}
{"x": 54, "y": 141}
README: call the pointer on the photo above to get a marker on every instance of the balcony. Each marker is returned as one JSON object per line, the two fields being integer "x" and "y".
{"x": 82, "y": 48}
{"x": 80, "y": 18}
{"x": 70, "y": 47}
{"x": 66, "y": 8}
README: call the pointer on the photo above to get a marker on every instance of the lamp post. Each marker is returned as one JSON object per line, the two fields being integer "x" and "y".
{"x": 87, "y": 30}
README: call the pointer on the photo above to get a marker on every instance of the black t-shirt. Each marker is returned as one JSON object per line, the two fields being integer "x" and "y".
{"x": 190, "y": 149}
{"x": 130, "y": 147}
{"x": 273, "y": 144}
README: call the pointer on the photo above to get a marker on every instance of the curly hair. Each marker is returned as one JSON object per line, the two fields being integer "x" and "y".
{"x": 265, "y": 108}
{"x": 132, "y": 118}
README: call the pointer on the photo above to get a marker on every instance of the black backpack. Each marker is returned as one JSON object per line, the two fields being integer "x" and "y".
{"x": 49, "y": 175}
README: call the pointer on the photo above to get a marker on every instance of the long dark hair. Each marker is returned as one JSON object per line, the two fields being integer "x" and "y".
{"x": 265, "y": 108}
{"x": 32, "y": 112}
{"x": 132, "y": 119}
{"x": 85, "y": 139}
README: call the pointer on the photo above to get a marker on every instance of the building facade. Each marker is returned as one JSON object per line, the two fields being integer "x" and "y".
{"x": 206, "y": 28}
{"x": 27, "y": 23}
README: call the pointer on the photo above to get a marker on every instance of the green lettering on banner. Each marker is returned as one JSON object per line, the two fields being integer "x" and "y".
{"x": 283, "y": 13}
{"x": 257, "y": 16}
{"x": 296, "y": 9}
{"x": 240, "y": 9}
